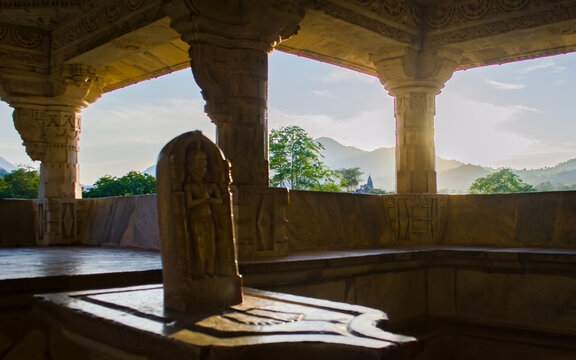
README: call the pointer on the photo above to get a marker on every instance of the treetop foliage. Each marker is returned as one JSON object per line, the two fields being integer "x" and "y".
{"x": 501, "y": 181}
{"x": 295, "y": 161}
{"x": 133, "y": 183}
{"x": 20, "y": 184}
{"x": 350, "y": 177}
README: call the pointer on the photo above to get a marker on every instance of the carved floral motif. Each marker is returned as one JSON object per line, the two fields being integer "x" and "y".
{"x": 545, "y": 16}
{"x": 26, "y": 4}
{"x": 103, "y": 24}
{"x": 403, "y": 11}
{"x": 446, "y": 14}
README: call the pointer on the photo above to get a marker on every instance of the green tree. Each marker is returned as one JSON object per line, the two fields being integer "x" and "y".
{"x": 350, "y": 177}
{"x": 295, "y": 161}
{"x": 21, "y": 183}
{"x": 501, "y": 181}
{"x": 376, "y": 191}
{"x": 133, "y": 183}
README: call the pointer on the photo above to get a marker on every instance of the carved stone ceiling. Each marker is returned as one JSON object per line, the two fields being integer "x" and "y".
{"x": 130, "y": 40}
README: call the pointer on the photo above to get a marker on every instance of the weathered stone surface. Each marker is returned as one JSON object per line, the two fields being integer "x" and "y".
{"x": 400, "y": 293}
{"x": 62, "y": 348}
{"x": 5, "y": 343}
{"x": 322, "y": 220}
{"x": 32, "y": 346}
{"x": 480, "y": 348}
{"x": 530, "y": 300}
{"x": 546, "y": 220}
{"x": 17, "y": 225}
{"x": 128, "y": 222}
{"x": 330, "y": 221}
{"x": 441, "y": 292}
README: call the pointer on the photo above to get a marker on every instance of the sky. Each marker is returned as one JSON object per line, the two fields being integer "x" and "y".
{"x": 517, "y": 115}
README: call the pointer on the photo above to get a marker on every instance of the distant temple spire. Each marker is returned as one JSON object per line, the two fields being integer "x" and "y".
{"x": 364, "y": 188}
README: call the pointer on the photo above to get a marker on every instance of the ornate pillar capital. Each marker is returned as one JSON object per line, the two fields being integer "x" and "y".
{"x": 254, "y": 24}
{"x": 410, "y": 70}
{"x": 72, "y": 86}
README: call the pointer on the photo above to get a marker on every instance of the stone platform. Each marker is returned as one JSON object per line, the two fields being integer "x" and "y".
{"x": 131, "y": 323}
{"x": 28, "y": 271}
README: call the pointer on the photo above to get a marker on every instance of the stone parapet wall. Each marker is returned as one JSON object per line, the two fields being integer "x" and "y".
{"x": 129, "y": 222}
{"x": 312, "y": 221}
{"x": 542, "y": 220}
{"x": 324, "y": 221}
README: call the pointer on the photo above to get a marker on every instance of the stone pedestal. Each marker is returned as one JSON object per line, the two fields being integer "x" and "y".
{"x": 414, "y": 78}
{"x": 132, "y": 323}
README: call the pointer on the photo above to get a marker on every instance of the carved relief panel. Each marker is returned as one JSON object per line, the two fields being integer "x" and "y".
{"x": 260, "y": 221}
{"x": 59, "y": 222}
{"x": 416, "y": 219}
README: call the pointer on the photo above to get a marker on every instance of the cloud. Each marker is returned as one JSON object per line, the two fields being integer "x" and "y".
{"x": 116, "y": 140}
{"x": 475, "y": 132}
{"x": 539, "y": 155}
{"x": 367, "y": 130}
{"x": 505, "y": 86}
{"x": 524, "y": 108}
{"x": 339, "y": 74}
{"x": 323, "y": 93}
{"x": 539, "y": 64}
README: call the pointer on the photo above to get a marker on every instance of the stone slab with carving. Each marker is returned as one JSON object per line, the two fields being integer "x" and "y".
{"x": 195, "y": 221}
{"x": 265, "y": 325}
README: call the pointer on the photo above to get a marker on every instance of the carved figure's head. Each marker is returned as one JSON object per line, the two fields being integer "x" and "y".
{"x": 197, "y": 165}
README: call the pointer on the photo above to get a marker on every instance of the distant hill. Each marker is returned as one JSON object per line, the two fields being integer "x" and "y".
{"x": 563, "y": 173}
{"x": 459, "y": 179}
{"x": 150, "y": 171}
{"x": 6, "y": 166}
{"x": 453, "y": 176}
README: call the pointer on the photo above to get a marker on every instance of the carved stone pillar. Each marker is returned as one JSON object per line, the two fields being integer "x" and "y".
{"x": 47, "y": 116}
{"x": 50, "y": 135}
{"x": 414, "y": 78}
{"x": 234, "y": 85}
{"x": 229, "y": 45}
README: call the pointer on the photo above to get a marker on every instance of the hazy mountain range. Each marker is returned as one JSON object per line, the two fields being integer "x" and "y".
{"x": 453, "y": 175}
{"x": 6, "y": 166}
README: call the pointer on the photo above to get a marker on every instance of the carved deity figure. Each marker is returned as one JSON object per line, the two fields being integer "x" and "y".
{"x": 196, "y": 231}
{"x": 200, "y": 197}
